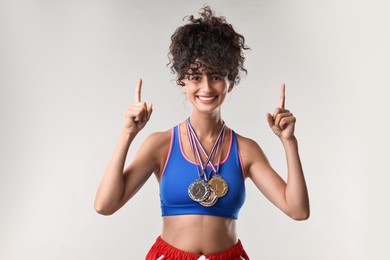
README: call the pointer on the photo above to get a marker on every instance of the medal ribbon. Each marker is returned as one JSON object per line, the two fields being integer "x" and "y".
{"x": 195, "y": 144}
{"x": 220, "y": 154}
{"x": 192, "y": 143}
{"x": 216, "y": 144}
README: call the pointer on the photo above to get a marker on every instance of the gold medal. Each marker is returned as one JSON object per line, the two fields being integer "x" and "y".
{"x": 199, "y": 190}
{"x": 211, "y": 200}
{"x": 219, "y": 185}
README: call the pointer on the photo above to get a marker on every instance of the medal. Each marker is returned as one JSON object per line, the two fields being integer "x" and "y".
{"x": 219, "y": 185}
{"x": 199, "y": 190}
{"x": 206, "y": 191}
{"x": 211, "y": 200}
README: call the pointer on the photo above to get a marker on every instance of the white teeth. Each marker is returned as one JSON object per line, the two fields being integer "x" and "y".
{"x": 206, "y": 98}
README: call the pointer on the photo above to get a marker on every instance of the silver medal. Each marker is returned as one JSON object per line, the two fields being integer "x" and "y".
{"x": 199, "y": 190}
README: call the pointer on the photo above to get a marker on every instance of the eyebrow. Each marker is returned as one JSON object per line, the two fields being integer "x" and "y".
{"x": 211, "y": 73}
{"x": 219, "y": 73}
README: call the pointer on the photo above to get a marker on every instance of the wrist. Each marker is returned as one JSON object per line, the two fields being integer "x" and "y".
{"x": 290, "y": 140}
{"x": 128, "y": 134}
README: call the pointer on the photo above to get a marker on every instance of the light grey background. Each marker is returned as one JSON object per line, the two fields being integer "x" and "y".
{"x": 67, "y": 73}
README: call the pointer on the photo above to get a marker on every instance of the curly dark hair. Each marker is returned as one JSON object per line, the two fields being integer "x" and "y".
{"x": 209, "y": 43}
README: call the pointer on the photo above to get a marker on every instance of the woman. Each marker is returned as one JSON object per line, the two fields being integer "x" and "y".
{"x": 201, "y": 164}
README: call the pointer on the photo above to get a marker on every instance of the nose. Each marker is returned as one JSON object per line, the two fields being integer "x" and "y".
{"x": 207, "y": 85}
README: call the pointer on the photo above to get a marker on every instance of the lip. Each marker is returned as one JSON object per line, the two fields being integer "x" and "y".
{"x": 207, "y": 99}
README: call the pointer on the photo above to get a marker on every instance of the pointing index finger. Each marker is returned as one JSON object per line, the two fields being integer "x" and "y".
{"x": 282, "y": 97}
{"x": 137, "y": 92}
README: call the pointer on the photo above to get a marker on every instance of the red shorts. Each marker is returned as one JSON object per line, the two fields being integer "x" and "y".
{"x": 161, "y": 250}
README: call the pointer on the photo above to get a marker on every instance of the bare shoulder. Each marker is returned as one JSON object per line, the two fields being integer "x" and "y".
{"x": 247, "y": 145}
{"x": 157, "y": 142}
{"x": 251, "y": 153}
{"x": 154, "y": 150}
{"x": 159, "y": 138}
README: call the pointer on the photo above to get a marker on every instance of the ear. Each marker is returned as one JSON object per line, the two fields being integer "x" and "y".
{"x": 231, "y": 84}
{"x": 182, "y": 85}
{"x": 183, "y": 88}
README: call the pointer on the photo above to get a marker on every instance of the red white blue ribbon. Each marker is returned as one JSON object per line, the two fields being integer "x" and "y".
{"x": 196, "y": 144}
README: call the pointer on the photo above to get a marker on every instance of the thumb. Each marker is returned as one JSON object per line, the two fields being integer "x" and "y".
{"x": 150, "y": 109}
{"x": 270, "y": 120}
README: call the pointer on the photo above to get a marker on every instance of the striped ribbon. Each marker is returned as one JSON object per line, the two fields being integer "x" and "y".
{"x": 196, "y": 144}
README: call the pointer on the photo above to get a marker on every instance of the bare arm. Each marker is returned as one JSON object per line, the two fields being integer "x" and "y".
{"x": 296, "y": 191}
{"x": 291, "y": 197}
{"x": 115, "y": 183}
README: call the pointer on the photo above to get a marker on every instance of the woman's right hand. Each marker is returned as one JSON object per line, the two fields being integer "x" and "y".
{"x": 138, "y": 113}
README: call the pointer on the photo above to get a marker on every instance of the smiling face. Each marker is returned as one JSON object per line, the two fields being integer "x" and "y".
{"x": 206, "y": 90}
{"x": 210, "y": 39}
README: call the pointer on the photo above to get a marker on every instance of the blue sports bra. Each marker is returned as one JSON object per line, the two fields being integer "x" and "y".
{"x": 179, "y": 172}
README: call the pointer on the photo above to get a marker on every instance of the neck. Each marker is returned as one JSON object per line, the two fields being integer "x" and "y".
{"x": 206, "y": 125}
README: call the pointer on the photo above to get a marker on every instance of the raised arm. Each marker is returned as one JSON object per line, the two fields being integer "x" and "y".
{"x": 291, "y": 196}
{"x": 116, "y": 187}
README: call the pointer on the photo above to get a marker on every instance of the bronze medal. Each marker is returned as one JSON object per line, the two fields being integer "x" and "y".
{"x": 219, "y": 185}
{"x": 199, "y": 190}
{"x": 211, "y": 200}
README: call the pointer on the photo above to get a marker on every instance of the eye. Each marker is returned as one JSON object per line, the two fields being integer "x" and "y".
{"x": 217, "y": 77}
{"x": 195, "y": 78}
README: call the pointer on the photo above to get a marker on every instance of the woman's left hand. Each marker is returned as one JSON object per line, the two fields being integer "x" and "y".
{"x": 282, "y": 122}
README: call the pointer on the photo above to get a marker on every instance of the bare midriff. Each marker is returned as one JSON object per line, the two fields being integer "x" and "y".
{"x": 199, "y": 234}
